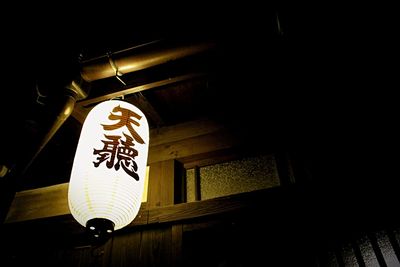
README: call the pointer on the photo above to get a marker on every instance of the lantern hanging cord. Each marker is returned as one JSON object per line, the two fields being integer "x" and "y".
{"x": 115, "y": 68}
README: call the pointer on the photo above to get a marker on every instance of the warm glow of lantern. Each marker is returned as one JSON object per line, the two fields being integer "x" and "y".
{"x": 109, "y": 169}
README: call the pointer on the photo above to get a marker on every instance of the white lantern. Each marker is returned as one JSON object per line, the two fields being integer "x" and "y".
{"x": 108, "y": 173}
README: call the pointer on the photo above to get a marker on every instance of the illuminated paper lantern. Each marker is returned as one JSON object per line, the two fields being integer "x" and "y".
{"x": 108, "y": 173}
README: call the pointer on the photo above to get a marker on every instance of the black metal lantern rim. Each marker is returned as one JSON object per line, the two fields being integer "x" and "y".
{"x": 100, "y": 228}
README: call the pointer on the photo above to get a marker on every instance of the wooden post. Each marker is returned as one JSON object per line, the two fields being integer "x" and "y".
{"x": 197, "y": 188}
{"x": 285, "y": 170}
{"x": 165, "y": 177}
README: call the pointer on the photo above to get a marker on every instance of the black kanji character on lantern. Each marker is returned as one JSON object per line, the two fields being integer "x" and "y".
{"x": 122, "y": 150}
{"x": 116, "y": 148}
{"x": 108, "y": 152}
{"x": 126, "y": 154}
{"x": 125, "y": 119}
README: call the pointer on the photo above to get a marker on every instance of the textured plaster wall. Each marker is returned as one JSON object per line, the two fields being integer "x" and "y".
{"x": 244, "y": 175}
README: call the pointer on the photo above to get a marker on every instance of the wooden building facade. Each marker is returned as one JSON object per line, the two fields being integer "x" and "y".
{"x": 277, "y": 226}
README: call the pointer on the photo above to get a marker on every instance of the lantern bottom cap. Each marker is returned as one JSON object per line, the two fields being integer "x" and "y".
{"x": 100, "y": 229}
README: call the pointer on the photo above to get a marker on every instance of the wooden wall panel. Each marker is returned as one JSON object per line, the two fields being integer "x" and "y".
{"x": 156, "y": 247}
{"x": 176, "y": 245}
{"x": 126, "y": 249}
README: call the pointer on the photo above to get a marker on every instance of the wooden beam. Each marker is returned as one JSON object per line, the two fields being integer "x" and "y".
{"x": 80, "y": 113}
{"x": 169, "y": 134}
{"x": 39, "y": 203}
{"x": 192, "y": 146}
{"x": 178, "y": 212}
{"x": 135, "y": 89}
{"x": 197, "y": 209}
{"x": 50, "y": 201}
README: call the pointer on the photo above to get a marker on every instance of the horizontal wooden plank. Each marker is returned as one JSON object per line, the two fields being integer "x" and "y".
{"x": 195, "y": 209}
{"x": 168, "y": 214}
{"x": 192, "y": 146}
{"x": 52, "y": 202}
{"x": 168, "y": 134}
{"x": 39, "y": 203}
{"x": 48, "y": 201}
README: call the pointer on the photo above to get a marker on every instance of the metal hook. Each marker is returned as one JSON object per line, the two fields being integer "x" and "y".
{"x": 114, "y": 67}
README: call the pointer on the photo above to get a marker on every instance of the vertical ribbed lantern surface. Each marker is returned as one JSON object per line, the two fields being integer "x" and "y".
{"x": 108, "y": 173}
